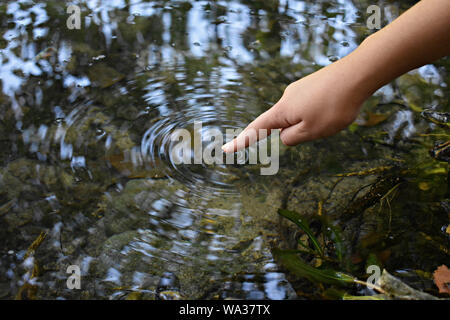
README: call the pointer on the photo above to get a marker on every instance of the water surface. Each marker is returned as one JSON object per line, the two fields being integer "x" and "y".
{"x": 85, "y": 123}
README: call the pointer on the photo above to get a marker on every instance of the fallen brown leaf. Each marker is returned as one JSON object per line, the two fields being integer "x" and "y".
{"x": 442, "y": 279}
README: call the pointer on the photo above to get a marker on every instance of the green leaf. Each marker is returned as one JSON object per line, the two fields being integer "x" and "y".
{"x": 291, "y": 261}
{"x": 297, "y": 219}
{"x": 353, "y": 127}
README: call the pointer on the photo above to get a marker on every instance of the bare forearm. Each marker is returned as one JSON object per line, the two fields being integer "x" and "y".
{"x": 419, "y": 36}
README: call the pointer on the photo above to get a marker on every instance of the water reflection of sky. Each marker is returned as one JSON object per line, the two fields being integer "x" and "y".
{"x": 303, "y": 40}
{"x": 201, "y": 33}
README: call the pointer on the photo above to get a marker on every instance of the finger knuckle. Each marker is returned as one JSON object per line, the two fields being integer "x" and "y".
{"x": 287, "y": 141}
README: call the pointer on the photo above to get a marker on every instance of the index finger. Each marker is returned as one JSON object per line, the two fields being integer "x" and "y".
{"x": 271, "y": 119}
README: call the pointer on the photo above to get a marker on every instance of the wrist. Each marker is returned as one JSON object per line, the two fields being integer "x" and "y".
{"x": 356, "y": 77}
{"x": 368, "y": 67}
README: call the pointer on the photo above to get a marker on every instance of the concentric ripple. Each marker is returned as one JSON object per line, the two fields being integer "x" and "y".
{"x": 157, "y": 147}
{"x": 203, "y": 100}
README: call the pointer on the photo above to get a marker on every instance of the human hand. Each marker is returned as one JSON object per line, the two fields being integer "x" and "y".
{"x": 316, "y": 106}
{"x": 328, "y": 100}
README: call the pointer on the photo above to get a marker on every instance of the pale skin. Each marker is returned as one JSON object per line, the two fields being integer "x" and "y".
{"x": 327, "y": 101}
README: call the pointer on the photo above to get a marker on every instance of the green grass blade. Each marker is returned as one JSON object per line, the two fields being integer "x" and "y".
{"x": 291, "y": 261}
{"x": 297, "y": 219}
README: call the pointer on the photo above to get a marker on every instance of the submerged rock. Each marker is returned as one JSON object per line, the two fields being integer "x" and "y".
{"x": 399, "y": 290}
{"x": 104, "y": 76}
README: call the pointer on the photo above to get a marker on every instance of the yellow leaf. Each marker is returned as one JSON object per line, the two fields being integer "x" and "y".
{"x": 424, "y": 186}
{"x": 374, "y": 118}
{"x": 436, "y": 171}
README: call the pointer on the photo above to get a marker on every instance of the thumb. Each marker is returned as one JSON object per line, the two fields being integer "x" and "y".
{"x": 271, "y": 119}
